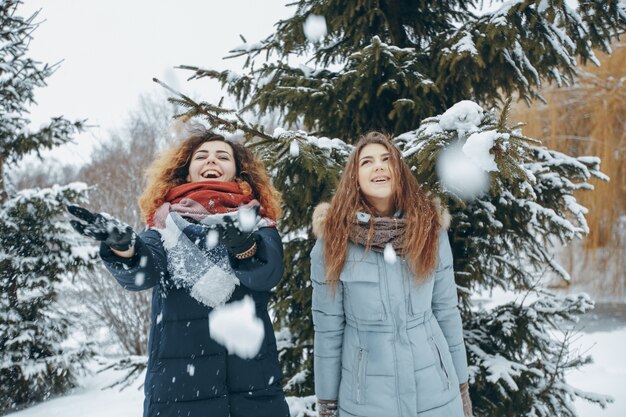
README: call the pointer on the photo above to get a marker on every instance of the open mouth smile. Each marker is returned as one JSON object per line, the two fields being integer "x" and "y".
{"x": 380, "y": 180}
{"x": 211, "y": 173}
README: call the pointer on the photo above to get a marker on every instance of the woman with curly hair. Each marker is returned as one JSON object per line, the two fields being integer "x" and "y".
{"x": 388, "y": 332}
{"x": 211, "y": 240}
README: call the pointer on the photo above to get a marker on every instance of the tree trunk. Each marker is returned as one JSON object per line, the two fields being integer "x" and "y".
{"x": 394, "y": 16}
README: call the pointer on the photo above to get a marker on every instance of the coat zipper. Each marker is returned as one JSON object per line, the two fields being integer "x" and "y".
{"x": 441, "y": 364}
{"x": 360, "y": 374}
{"x": 406, "y": 283}
{"x": 381, "y": 271}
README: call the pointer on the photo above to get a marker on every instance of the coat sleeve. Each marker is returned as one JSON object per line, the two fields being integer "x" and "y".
{"x": 446, "y": 310}
{"x": 145, "y": 269}
{"x": 262, "y": 271}
{"x": 328, "y": 323}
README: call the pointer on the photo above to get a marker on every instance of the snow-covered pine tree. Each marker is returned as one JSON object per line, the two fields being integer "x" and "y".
{"x": 518, "y": 351}
{"x": 389, "y": 64}
{"x": 36, "y": 247}
{"x": 386, "y": 66}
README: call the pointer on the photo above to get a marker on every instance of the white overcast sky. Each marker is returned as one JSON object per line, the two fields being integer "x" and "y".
{"x": 112, "y": 49}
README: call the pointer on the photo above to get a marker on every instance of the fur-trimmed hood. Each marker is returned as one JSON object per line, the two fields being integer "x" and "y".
{"x": 321, "y": 211}
{"x": 319, "y": 219}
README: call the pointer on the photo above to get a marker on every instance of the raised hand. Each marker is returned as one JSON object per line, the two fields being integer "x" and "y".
{"x": 103, "y": 228}
{"x": 241, "y": 244}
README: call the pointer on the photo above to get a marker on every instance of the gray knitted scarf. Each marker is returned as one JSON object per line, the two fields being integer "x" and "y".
{"x": 200, "y": 266}
{"x": 386, "y": 229}
{"x": 195, "y": 259}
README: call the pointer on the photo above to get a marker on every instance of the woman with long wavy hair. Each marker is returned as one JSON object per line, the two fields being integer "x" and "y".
{"x": 211, "y": 240}
{"x": 388, "y": 332}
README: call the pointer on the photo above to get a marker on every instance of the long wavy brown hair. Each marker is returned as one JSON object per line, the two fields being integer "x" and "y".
{"x": 171, "y": 169}
{"x": 419, "y": 211}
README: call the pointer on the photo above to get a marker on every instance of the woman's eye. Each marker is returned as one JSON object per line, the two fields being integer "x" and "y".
{"x": 364, "y": 163}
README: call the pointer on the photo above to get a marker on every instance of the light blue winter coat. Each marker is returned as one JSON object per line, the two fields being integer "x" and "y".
{"x": 384, "y": 346}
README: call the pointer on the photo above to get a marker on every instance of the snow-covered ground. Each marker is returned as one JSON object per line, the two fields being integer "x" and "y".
{"x": 94, "y": 399}
{"x": 90, "y": 400}
{"x": 607, "y": 376}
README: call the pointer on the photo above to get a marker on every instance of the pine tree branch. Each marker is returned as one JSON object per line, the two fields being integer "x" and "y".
{"x": 132, "y": 365}
{"x": 557, "y": 369}
{"x": 205, "y": 110}
{"x": 504, "y": 114}
{"x": 199, "y": 72}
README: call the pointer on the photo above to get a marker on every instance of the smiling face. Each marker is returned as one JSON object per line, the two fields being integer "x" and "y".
{"x": 212, "y": 161}
{"x": 375, "y": 177}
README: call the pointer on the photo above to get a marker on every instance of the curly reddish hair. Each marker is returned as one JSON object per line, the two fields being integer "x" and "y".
{"x": 171, "y": 169}
{"x": 422, "y": 218}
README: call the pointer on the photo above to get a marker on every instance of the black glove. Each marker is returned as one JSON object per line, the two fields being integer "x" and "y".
{"x": 236, "y": 241}
{"x": 104, "y": 228}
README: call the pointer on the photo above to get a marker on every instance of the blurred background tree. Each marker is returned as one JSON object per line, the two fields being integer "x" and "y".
{"x": 117, "y": 319}
{"x": 587, "y": 118}
{"x": 37, "y": 247}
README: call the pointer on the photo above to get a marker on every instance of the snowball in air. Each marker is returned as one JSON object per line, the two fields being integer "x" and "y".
{"x": 212, "y": 238}
{"x": 315, "y": 28}
{"x": 237, "y": 328}
{"x": 460, "y": 175}
{"x": 477, "y": 148}
{"x": 390, "y": 254}
{"x": 140, "y": 278}
{"x": 247, "y": 219}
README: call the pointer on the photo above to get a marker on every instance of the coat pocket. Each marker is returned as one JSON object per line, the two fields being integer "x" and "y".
{"x": 440, "y": 364}
{"x": 420, "y": 295}
{"x": 359, "y": 376}
{"x": 362, "y": 293}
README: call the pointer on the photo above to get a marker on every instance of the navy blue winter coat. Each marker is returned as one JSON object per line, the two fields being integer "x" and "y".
{"x": 189, "y": 374}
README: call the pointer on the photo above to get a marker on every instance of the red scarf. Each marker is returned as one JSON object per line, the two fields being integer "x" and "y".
{"x": 216, "y": 197}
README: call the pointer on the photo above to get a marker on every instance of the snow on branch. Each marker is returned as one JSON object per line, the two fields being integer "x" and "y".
{"x": 319, "y": 142}
{"x": 515, "y": 345}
